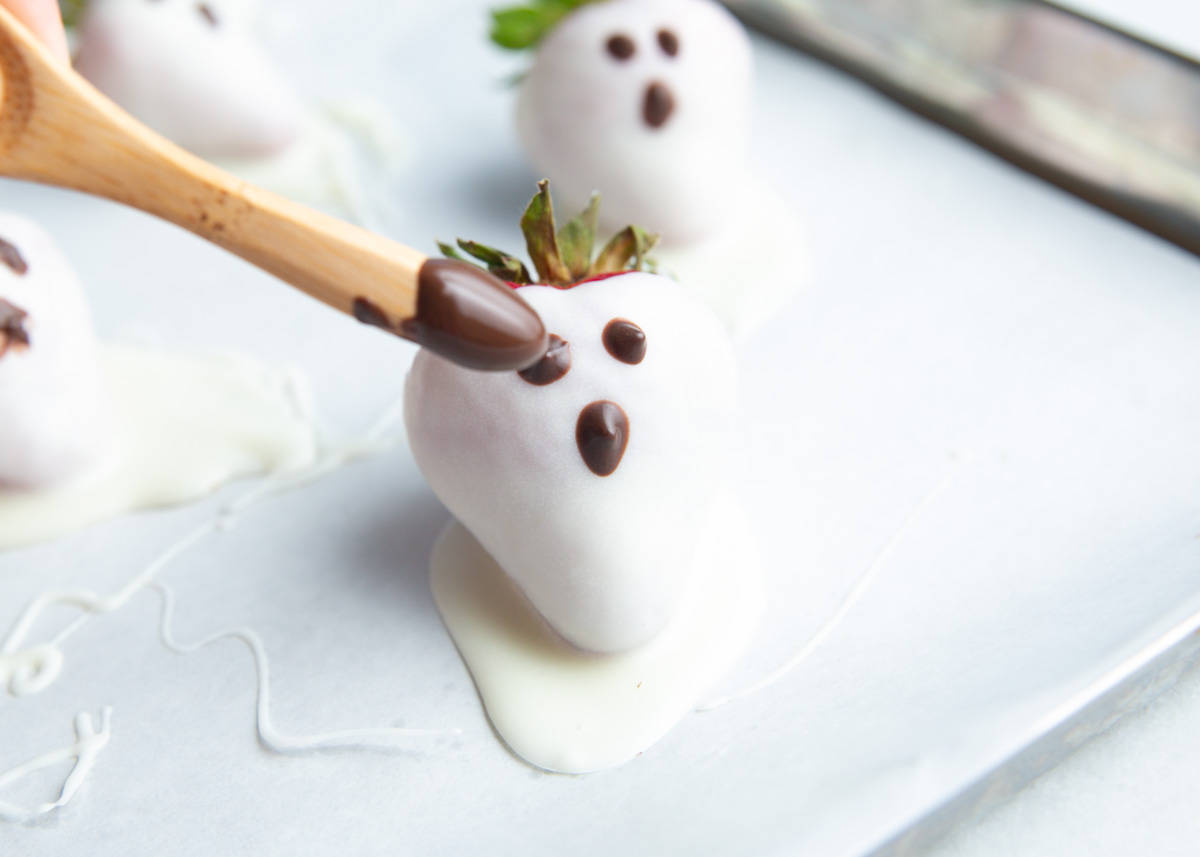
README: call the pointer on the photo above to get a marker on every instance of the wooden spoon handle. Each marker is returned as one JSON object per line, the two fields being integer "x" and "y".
{"x": 55, "y": 128}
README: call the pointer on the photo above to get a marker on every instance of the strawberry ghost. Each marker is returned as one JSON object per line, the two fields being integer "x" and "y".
{"x": 192, "y": 71}
{"x": 588, "y": 475}
{"x": 645, "y": 101}
{"x": 53, "y": 412}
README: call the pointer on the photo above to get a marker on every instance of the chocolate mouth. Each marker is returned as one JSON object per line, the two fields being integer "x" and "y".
{"x": 657, "y": 105}
{"x": 12, "y": 327}
{"x": 602, "y": 433}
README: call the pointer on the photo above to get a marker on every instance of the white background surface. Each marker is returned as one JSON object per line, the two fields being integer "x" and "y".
{"x": 962, "y": 322}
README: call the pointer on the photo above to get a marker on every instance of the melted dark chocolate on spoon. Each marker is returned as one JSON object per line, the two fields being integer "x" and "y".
{"x": 467, "y": 316}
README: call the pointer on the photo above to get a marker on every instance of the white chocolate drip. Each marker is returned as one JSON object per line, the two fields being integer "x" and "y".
{"x": 89, "y": 742}
{"x": 852, "y": 597}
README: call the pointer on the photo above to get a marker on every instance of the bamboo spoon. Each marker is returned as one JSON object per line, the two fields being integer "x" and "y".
{"x": 56, "y": 129}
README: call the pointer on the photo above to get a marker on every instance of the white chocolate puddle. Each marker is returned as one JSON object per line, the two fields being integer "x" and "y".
{"x": 346, "y": 152}
{"x": 184, "y": 425}
{"x": 570, "y": 711}
{"x": 748, "y": 273}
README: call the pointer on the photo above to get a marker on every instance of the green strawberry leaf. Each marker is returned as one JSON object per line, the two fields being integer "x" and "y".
{"x": 72, "y": 11}
{"x": 501, "y": 264}
{"x": 450, "y": 252}
{"x": 631, "y": 243}
{"x": 577, "y": 239}
{"x": 561, "y": 257}
{"x": 520, "y": 28}
{"x": 537, "y": 224}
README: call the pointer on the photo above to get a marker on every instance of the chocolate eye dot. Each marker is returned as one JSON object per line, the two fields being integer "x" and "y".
{"x": 555, "y": 363}
{"x": 620, "y": 46}
{"x": 625, "y": 341}
{"x": 669, "y": 42}
{"x": 11, "y": 258}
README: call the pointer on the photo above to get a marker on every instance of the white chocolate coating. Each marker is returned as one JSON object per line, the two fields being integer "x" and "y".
{"x": 580, "y": 115}
{"x": 54, "y": 419}
{"x": 207, "y": 86}
{"x": 605, "y": 560}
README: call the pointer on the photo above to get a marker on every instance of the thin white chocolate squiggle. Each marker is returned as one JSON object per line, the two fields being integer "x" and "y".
{"x": 89, "y": 742}
{"x": 851, "y": 598}
{"x": 29, "y": 669}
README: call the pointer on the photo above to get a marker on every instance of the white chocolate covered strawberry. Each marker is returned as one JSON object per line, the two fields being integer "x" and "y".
{"x": 589, "y": 475}
{"x": 645, "y": 101}
{"x": 53, "y": 412}
{"x": 192, "y": 71}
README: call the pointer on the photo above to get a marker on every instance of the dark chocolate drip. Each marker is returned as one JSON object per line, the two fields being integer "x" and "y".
{"x": 12, "y": 258}
{"x": 369, "y": 313}
{"x": 207, "y": 14}
{"x": 474, "y": 319}
{"x": 669, "y": 42}
{"x": 12, "y": 327}
{"x": 625, "y": 341}
{"x": 658, "y": 105}
{"x": 620, "y": 47}
{"x": 602, "y": 433}
{"x": 555, "y": 363}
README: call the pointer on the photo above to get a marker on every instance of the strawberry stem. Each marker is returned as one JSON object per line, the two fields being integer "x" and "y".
{"x": 541, "y": 240}
{"x": 561, "y": 257}
{"x": 577, "y": 239}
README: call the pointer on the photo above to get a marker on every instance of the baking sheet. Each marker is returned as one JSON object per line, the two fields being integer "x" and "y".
{"x": 964, "y": 325}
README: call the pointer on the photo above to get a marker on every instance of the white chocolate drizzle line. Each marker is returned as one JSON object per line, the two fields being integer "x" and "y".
{"x": 268, "y": 735}
{"x": 851, "y": 598}
{"x": 89, "y": 742}
{"x": 32, "y": 669}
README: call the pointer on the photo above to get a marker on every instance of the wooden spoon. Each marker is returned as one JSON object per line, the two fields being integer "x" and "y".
{"x": 55, "y": 128}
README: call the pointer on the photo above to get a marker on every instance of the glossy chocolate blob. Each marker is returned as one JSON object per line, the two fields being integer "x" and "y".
{"x": 474, "y": 319}
{"x": 555, "y": 363}
{"x": 602, "y": 433}
{"x": 11, "y": 257}
{"x": 625, "y": 341}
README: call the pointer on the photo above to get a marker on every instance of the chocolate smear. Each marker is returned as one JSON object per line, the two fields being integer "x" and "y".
{"x": 12, "y": 327}
{"x": 658, "y": 105}
{"x": 602, "y": 433}
{"x": 625, "y": 341}
{"x": 620, "y": 47}
{"x": 473, "y": 318}
{"x": 369, "y": 313}
{"x": 207, "y": 14}
{"x": 555, "y": 363}
{"x": 11, "y": 257}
